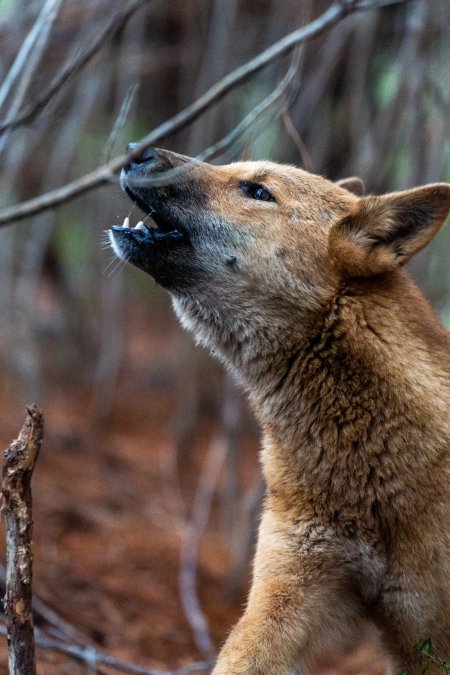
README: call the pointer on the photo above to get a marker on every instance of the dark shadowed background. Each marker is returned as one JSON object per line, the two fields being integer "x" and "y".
{"x": 147, "y": 491}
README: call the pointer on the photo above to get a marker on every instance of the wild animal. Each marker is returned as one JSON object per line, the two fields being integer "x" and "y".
{"x": 297, "y": 285}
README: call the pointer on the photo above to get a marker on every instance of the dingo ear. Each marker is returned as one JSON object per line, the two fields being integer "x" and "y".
{"x": 353, "y": 184}
{"x": 384, "y": 232}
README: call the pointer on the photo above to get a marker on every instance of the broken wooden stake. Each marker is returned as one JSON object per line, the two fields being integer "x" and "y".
{"x": 19, "y": 462}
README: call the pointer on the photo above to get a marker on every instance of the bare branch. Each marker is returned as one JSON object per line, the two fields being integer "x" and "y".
{"x": 255, "y": 118}
{"x": 19, "y": 462}
{"x": 251, "y": 124}
{"x": 71, "y": 68}
{"x": 90, "y": 654}
{"x": 379, "y": 4}
{"x": 190, "y": 547}
{"x": 219, "y": 450}
{"x": 46, "y": 16}
{"x": 105, "y": 173}
{"x": 43, "y": 26}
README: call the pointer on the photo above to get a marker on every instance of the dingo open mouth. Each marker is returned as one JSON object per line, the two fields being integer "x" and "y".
{"x": 143, "y": 233}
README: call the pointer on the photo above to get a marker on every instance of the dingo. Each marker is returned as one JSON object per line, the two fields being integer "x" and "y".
{"x": 296, "y": 284}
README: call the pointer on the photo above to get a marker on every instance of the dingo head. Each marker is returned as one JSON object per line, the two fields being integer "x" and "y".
{"x": 251, "y": 248}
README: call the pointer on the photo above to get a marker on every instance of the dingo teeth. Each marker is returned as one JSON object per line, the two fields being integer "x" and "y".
{"x": 139, "y": 226}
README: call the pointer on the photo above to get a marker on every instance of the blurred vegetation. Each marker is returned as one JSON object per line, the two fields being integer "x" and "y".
{"x": 372, "y": 99}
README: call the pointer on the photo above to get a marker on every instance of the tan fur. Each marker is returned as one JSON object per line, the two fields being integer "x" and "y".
{"x": 348, "y": 372}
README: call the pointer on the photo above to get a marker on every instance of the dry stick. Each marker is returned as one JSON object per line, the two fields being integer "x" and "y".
{"x": 201, "y": 509}
{"x": 19, "y": 462}
{"x": 44, "y": 25}
{"x": 274, "y": 104}
{"x": 190, "y": 547}
{"x": 298, "y": 141}
{"x": 89, "y": 654}
{"x": 119, "y": 121}
{"x": 46, "y": 16}
{"x": 105, "y": 173}
{"x": 72, "y": 68}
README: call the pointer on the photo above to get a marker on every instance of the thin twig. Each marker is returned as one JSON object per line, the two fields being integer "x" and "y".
{"x": 190, "y": 547}
{"x": 19, "y": 462}
{"x": 255, "y": 117}
{"x": 89, "y": 654}
{"x": 25, "y": 50}
{"x": 119, "y": 122}
{"x": 105, "y": 173}
{"x": 72, "y": 68}
{"x": 41, "y": 29}
{"x": 380, "y": 4}
{"x": 207, "y": 484}
{"x": 298, "y": 141}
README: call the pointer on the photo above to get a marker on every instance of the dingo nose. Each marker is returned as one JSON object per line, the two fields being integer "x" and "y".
{"x": 146, "y": 156}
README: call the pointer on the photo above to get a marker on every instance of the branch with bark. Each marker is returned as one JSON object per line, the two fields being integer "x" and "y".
{"x": 19, "y": 462}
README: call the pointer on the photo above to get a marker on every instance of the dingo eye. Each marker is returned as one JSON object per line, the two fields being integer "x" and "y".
{"x": 256, "y": 191}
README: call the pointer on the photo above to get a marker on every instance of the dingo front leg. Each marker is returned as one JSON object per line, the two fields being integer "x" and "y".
{"x": 302, "y": 604}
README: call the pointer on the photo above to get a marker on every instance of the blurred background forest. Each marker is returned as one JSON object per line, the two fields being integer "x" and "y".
{"x": 147, "y": 491}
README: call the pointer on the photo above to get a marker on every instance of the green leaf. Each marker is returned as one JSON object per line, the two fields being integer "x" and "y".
{"x": 424, "y": 646}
